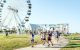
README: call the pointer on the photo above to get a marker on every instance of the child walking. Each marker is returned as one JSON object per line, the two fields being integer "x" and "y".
{"x": 32, "y": 39}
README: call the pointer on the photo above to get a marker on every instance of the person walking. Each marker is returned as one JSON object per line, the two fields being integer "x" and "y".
{"x": 43, "y": 37}
{"x": 32, "y": 38}
{"x": 58, "y": 35}
{"x": 50, "y": 38}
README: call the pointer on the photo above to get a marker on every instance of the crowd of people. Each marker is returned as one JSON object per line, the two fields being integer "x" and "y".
{"x": 46, "y": 36}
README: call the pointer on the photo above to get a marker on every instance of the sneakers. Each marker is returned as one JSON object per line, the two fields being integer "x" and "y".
{"x": 48, "y": 45}
{"x": 44, "y": 44}
{"x": 32, "y": 46}
{"x": 52, "y": 44}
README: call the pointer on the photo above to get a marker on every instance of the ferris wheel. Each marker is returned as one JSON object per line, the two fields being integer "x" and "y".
{"x": 14, "y": 13}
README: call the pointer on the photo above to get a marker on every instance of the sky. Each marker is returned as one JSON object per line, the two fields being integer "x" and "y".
{"x": 56, "y": 11}
{"x": 49, "y": 12}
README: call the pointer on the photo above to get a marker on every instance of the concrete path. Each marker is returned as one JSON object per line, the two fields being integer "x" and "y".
{"x": 57, "y": 46}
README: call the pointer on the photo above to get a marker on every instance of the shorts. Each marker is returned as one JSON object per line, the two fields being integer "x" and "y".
{"x": 32, "y": 40}
{"x": 57, "y": 36}
{"x": 49, "y": 38}
{"x": 43, "y": 38}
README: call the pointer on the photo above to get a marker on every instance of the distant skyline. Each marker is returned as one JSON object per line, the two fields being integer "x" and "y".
{"x": 56, "y": 12}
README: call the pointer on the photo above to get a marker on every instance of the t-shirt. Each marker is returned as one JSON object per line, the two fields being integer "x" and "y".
{"x": 58, "y": 34}
{"x": 55, "y": 33}
{"x": 32, "y": 36}
{"x": 51, "y": 29}
{"x": 50, "y": 33}
{"x": 44, "y": 30}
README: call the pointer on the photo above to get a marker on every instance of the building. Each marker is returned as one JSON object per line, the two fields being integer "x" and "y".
{"x": 64, "y": 28}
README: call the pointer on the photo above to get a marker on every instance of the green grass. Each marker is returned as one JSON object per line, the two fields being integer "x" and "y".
{"x": 14, "y": 41}
{"x": 74, "y": 43}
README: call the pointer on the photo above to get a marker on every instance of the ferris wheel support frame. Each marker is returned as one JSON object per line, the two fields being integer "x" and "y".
{"x": 26, "y": 19}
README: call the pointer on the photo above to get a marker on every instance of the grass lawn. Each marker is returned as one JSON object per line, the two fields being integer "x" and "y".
{"x": 14, "y": 41}
{"x": 74, "y": 43}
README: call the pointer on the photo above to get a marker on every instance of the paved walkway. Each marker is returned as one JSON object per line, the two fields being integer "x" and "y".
{"x": 57, "y": 46}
